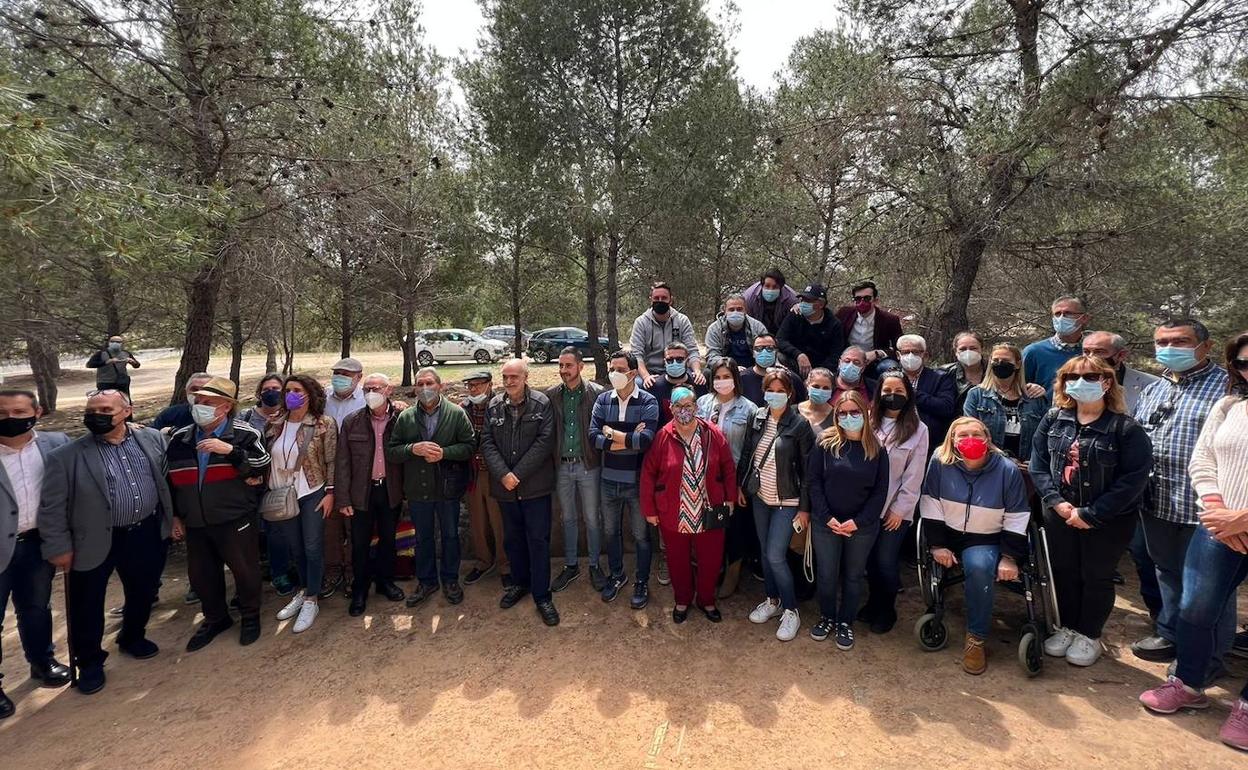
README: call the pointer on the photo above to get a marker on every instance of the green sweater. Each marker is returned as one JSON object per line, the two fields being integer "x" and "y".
{"x": 422, "y": 479}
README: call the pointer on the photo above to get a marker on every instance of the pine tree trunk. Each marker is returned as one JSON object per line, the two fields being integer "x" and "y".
{"x": 201, "y": 314}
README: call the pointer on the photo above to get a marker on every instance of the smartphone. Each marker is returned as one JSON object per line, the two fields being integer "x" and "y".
{"x": 797, "y": 526}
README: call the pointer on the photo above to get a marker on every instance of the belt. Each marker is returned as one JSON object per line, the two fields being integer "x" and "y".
{"x": 566, "y": 460}
{"x": 30, "y": 534}
{"x": 379, "y": 482}
{"x": 136, "y": 525}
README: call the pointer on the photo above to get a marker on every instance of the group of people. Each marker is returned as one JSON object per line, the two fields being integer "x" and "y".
{"x": 808, "y": 438}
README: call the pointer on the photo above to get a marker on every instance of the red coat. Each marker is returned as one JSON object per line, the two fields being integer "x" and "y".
{"x": 661, "y": 470}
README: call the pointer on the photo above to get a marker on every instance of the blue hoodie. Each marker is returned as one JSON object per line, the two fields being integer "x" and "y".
{"x": 961, "y": 508}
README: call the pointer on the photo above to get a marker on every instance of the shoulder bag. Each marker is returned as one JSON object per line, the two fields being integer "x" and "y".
{"x": 282, "y": 503}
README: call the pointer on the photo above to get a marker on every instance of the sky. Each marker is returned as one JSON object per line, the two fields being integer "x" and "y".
{"x": 766, "y": 30}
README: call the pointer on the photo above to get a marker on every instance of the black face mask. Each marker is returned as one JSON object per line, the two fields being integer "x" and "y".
{"x": 97, "y": 423}
{"x": 1003, "y": 370}
{"x": 894, "y": 401}
{"x": 660, "y": 307}
{"x": 271, "y": 397}
{"x": 11, "y": 427}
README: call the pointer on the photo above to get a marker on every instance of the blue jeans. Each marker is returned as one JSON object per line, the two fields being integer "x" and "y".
{"x": 304, "y": 537}
{"x": 526, "y": 536}
{"x": 575, "y": 480}
{"x": 884, "y": 569}
{"x": 840, "y": 564}
{"x": 279, "y": 553}
{"x": 1211, "y": 575}
{"x": 775, "y": 530}
{"x": 446, "y": 514}
{"x": 979, "y": 565}
{"x": 28, "y": 578}
{"x": 1168, "y": 546}
{"x": 620, "y": 500}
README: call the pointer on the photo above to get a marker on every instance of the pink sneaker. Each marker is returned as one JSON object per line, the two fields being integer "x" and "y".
{"x": 1172, "y": 696}
{"x": 1234, "y": 731}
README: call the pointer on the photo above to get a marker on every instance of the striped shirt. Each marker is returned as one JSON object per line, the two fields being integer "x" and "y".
{"x": 1173, "y": 412}
{"x": 132, "y": 495}
{"x": 765, "y": 461}
{"x": 639, "y": 409}
{"x": 692, "y": 485}
{"x": 1220, "y": 460}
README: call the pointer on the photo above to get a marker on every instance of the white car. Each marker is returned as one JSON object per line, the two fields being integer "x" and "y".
{"x": 442, "y": 345}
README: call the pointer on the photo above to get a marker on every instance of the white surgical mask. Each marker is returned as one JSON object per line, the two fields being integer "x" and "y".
{"x": 477, "y": 399}
{"x": 374, "y": 400}
{"x": 911, "y": 362}
{"x": 203, "y": 414}
{"x": 619, "y": 380}
{"x": 969, "y": 357}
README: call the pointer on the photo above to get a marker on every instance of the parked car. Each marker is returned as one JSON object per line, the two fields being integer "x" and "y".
{"x": 545, "y": 345}
{"x": 442, "y": 345}
{"x": 507, "y": 335}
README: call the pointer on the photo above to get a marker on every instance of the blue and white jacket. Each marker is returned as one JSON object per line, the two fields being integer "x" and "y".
{"x": 962, "y": 508}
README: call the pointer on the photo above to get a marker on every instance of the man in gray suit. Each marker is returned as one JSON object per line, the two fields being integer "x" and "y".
{"x": 24, "y": 574}
{"x": 106, "y": 507}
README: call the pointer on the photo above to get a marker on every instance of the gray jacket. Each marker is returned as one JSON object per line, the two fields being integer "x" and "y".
{"x": 74, "y": 514}
{"x": 650, "y": 337}
{"x": 1133, "y": 384}
{"x": 522, "y": 447}
{"x": 8, "y": 497}
{"x": 717, "y": 335}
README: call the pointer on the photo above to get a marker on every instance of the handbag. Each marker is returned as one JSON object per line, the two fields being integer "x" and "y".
{"x": 282, "y": 503}
{"x": 716, "y": 516}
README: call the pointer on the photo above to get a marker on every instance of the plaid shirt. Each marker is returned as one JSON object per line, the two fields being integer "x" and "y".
{"x": 476, "y": 416}
{"x": 1173, "y": 412}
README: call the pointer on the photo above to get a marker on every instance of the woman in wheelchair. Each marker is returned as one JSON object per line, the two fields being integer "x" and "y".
{"x": 974, "y": 511}
{"x": 1090, "y": 464}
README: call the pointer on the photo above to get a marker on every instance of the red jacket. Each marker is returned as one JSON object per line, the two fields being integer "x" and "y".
{"x": 661, "y": 471}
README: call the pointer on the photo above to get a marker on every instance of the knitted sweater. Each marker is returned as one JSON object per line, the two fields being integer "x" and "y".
{"x": 1220, "y": 462}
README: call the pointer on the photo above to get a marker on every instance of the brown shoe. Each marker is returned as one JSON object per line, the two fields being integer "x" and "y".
{"x": 974, "y": 658}
{"x": 732, "y": 575}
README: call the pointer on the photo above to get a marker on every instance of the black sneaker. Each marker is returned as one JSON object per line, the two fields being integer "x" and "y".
{"x": 453, "y": 593}
{"x": 613, "y": 587}
{"x": 1239, "y": 646}
{"x": 476, "y": 574}
{"x": 420, "y": 593}
{"x": 331, "y": 586}
{"x": 550, "y": 615}
{"x": 565, "y": 576}
{"x": 822, "y": 630}
{"x": 844, "y": 636}
{"x": 206, "y": 633}
{"x": 641, "y": 596}
{"x": 512, "y": 594}
{"x": 597, "y": 578}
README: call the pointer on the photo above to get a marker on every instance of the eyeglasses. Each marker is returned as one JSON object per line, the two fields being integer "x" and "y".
{"x": 1087, "y": 376}
{"x": 1240, "y": 363}
{"x": 375, "y": 389}
{"x": 109, "y": 392}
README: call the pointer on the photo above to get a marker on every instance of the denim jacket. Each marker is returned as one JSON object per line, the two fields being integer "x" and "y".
{"x": 985, "y": 405}
{"x": 1115, "y": 459}
{"x": 740, "y": 410}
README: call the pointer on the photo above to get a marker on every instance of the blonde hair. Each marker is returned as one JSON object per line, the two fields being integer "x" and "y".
{"x": 995, "y": 383}
{"x": 947, "y": 454}
{"x": 833, "y": 439}
{"x": 1115, "y": 400}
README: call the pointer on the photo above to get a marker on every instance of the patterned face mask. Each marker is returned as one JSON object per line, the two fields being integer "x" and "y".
{"x": 683, "y": 414}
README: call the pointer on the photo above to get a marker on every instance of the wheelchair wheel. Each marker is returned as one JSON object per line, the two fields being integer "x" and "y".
{"x": 931, "y": 633}
{"x": 1031, "y": 651}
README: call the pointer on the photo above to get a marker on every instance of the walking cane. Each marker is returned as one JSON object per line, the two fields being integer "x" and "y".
{"x": 69, "y": 633}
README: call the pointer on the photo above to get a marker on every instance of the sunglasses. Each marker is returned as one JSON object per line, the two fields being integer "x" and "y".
{"x": 375, "y": 389}
{"x": 1240, "y": 363}
{"x": 1088, "y": 376}
{"x": 764, "y": 348}
{"x": 864, "y": 298}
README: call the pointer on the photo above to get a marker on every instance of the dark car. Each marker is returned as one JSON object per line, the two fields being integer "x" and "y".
{"x": 506, "y": 335}
{"x": 544, "y": 346}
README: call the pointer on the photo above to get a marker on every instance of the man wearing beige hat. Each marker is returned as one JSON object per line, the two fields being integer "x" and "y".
{"x": 215, "y": 468}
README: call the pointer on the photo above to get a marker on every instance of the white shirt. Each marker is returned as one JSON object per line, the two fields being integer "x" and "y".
{"x": 285, "y": 456}
{"x": 624, "y": 402}
{"x": 24, "y": 468}
{"x": 863, "y": 333}
{"x": 340, "y": 408}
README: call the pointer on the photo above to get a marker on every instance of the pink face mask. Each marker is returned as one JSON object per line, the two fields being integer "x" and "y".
{"x": 723, "y": 386}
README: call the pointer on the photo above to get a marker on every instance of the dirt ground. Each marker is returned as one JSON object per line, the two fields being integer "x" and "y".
{"x": 475, "y": 686}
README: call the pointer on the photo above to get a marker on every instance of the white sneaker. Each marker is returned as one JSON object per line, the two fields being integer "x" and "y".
{"x": 306, "y": 615}
{"x": 1057, "y": 644}
{"x": 765, "y": 611}
{"x": 1084, "y": 651}
{"x": 292, "y": 608}
{"x": 789, "y": 624}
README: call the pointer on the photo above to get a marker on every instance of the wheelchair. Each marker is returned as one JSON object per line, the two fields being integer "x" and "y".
{"x": 1034, "y": 584}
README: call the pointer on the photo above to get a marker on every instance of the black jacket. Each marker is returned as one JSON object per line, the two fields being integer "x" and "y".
{"x": 222, "y": 495}
{"x": 822, "y": 343}
{"x": 521, "y": 446}
{"x": 794, "y": 441}
{"x": 590, "y": 455}
{"x": 936, "y": 398}
{"x": 1115, "y": 459}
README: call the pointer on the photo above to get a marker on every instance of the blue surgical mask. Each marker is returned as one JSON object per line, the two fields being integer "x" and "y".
{"x": 776, "y": 400}
{"x": 771, "y": 295}
{"x": 1064, "y": 325}
{"x": 1176, "y": 359}
{"x": 820, "y": 395}
{"x": 765, "y": 358}
{"x": 734, "y": 317}
{"x": 807, "y": 308}
{"x": 849, "y": 371}
{"x": 1083, "y": 391}
{"x": 341, "y": 383}
{"x": 675, "y": 369}
{"x": 850, "y": 422}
